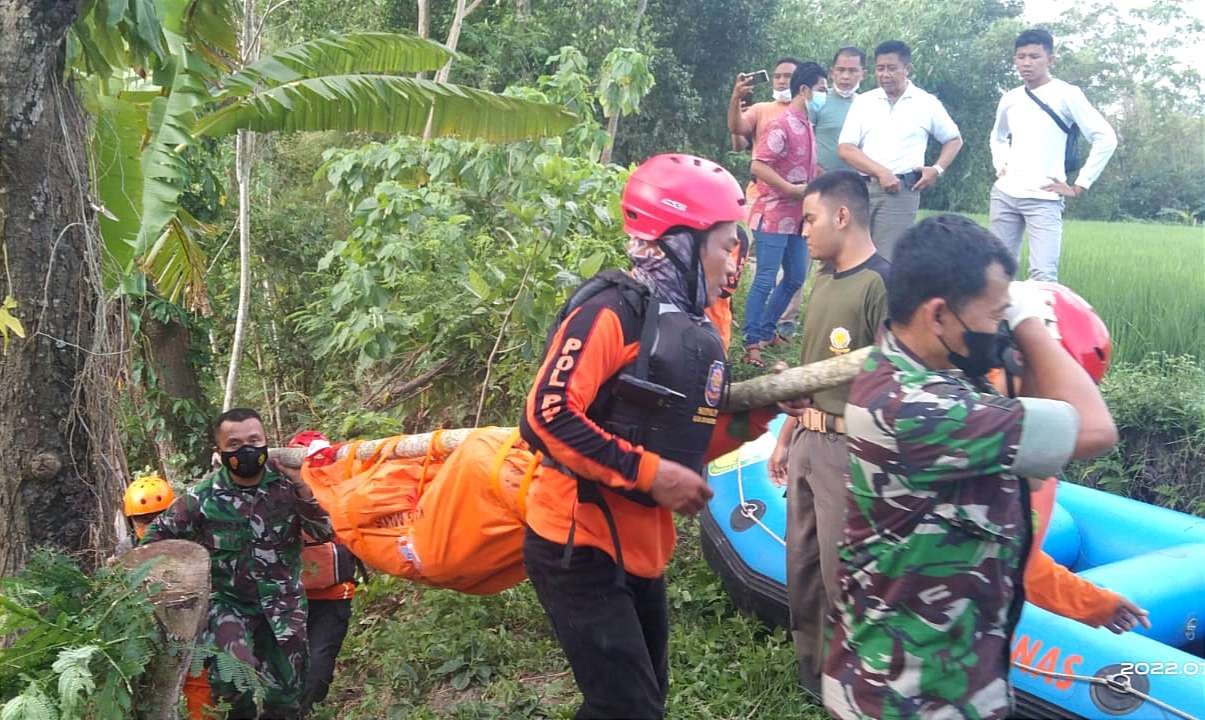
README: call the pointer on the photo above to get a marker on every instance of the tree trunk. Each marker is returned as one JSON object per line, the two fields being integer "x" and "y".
{"x": 274, "y": 339}
{"x": 244, "y": 147}
{"x": 424, "y": 27}
{"x": 166, "y": 352}
{"x": 60, "y": 475}
{"x": 242, "y": 157}
{"x": 181, "y": 574}
{"x": 463, "y": 9}
{"x": 612, "y": 129}
{"x": 424, "y": 19}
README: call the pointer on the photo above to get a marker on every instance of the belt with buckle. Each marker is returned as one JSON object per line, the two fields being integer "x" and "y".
{"x": 821, "y": 422}
{"x": 907, "y": 179}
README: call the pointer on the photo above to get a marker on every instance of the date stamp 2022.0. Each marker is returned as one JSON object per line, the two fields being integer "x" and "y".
{"x": 1196, "y": 669}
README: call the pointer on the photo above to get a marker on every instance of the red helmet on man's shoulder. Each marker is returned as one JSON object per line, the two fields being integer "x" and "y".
{"x": 1080, "y": 330}
{"x": 673, "y": 190}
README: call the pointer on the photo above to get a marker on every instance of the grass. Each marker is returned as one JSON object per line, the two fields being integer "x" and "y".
{"x": 1146, "y": 280}
{"x": 415, "y": 652}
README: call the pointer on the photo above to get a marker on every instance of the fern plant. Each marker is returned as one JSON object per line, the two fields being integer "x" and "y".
{"x": 75, "y": 645}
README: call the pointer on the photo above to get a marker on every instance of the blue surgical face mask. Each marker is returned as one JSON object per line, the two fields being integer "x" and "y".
{"x": 817, "y": 101}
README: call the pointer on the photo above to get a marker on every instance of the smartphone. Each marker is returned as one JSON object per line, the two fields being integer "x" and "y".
{"x": 758, "y": 77}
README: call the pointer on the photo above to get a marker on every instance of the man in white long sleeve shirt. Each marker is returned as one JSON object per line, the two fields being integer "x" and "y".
{"x": 1028, "y": 151}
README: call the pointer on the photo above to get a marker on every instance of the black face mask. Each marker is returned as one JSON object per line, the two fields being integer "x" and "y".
{"x": 985, "y": 351}
{"x": 247, "y": 461}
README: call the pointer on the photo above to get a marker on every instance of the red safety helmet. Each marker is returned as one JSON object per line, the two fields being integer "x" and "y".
{"x": 1081, "y": 331}
{"x": 318, "y": 449}
{"x": 674, "y": 190}
{"x": 305, "y": 437}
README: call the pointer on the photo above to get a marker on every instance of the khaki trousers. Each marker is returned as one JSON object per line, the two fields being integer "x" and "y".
{"x": 818, "y": 471}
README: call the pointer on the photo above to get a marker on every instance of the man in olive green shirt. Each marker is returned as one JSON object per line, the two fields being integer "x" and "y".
{"x": 847, "y": 305}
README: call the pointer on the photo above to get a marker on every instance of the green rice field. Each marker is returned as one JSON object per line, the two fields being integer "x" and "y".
{"x": 1147, "y": 281}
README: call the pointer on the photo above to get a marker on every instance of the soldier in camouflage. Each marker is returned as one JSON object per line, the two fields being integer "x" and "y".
{"x": 938, "y": 522}
{"x": 250, "y": 519}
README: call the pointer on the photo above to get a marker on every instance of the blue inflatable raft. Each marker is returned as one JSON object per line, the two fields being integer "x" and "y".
{"x": 1154, "y": 556}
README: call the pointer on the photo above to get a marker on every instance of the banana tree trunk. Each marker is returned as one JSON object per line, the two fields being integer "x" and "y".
{"x": 166, "y": 351}
{"x": 759, "y": 392}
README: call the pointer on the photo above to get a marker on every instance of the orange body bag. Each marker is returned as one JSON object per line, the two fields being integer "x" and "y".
{"x": 451, "y": 520}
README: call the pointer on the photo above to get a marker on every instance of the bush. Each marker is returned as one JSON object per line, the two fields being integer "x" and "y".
{"x": 1159, "y": 407}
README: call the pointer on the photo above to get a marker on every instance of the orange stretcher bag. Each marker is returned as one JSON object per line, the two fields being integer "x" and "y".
{"x": 449, "y": 519}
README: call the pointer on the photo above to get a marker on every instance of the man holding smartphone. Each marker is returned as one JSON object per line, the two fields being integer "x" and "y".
{"x": 745, "y": 124}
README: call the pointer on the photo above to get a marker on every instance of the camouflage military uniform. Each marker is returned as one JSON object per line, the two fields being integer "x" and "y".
{"x": 937, "y": 530}
{"x": 257, "y": 609}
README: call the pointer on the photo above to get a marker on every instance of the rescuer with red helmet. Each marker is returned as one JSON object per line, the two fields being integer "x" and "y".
{"x": 625, "y": 410}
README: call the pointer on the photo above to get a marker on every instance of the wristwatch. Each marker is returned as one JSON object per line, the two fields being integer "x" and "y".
{"x": 940, "y": 170}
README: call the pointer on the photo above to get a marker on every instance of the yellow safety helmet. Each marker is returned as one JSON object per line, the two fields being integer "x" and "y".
{"x": 148, "y": 494}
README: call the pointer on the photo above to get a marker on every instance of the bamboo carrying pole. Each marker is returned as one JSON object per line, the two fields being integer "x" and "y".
{"x": 758, "y": 392}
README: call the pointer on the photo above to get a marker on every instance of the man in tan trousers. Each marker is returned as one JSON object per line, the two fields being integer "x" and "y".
{"x": 845, "y": 309}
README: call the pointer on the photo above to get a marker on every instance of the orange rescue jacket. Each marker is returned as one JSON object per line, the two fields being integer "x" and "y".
{"x": 592, "y": 345}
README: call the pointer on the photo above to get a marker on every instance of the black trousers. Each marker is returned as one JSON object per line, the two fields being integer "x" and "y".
{"x": 327, "y": 626}
{"x": 615, "y": 636}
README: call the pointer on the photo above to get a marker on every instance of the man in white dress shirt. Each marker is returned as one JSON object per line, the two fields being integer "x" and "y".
{"x": 885, "y": 136}
{"x": 1028, "y": 151}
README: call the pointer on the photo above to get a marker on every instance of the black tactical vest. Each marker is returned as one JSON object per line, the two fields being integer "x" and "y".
{"x": 667, "y": 400}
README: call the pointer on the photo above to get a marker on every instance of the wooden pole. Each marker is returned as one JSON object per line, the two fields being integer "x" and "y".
{"x": 758, "y": 392}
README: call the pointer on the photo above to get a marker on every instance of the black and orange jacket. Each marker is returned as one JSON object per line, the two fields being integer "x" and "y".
{"x": 593, "y": 344}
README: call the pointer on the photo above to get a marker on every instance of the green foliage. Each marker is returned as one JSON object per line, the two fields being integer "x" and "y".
{"x": 696, "y": 48}
{"x": 75, "y": 645}
{"x": 75, "y": 677}
{"x": 461, "y": 252}
{"x": 1159, "y": 407}
{"x": 364, "y": 52}
{"x": 230, "y": 670}
{"x": 489, "y": 234}
{"x": 385, "y": 103}
{"x": 110, "y": 37}
{"x": 32, "y": 704}
{"x": 625, "y": 81}
{"x": 401, "y": 661}
{"x": 346, "y": 82}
